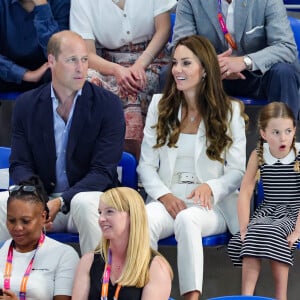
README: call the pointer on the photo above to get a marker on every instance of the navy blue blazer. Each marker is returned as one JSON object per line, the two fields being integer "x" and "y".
{"x": 95, "y": 140}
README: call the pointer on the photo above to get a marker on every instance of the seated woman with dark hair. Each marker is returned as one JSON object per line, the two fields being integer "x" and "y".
{"x": 34, "y": 266}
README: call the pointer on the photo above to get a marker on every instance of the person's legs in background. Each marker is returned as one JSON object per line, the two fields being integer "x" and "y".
{"x": 84, "y": 219}
{"x": 4, "y": 234}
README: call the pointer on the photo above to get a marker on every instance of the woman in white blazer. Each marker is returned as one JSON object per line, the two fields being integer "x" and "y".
{"x": 192, "y": 158}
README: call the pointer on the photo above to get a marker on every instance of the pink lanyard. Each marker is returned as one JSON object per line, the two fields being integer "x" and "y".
{"x": 105, "y": 283}
{"x": 8, "y": 268}
{"x": 226, "y": 33}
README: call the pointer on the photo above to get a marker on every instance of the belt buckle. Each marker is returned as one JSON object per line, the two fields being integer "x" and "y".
{"x": 185, "y": 177}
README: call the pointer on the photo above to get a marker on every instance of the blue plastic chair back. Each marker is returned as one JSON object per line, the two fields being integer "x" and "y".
{"x": 9, "y": 95}
{"x": 4, "y": 164}
{"x": 259, "y": 194}
{"x": 207, "y": 241}
{"x": 295, "y": 25}
{"x": 172, "y": 18}
{"x": 127, "y": 170}
{"x": 238, "y": 297}
{"x": 4, "y": 157}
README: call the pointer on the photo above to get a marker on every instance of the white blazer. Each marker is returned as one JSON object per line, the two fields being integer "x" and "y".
{"x": 156, "y": 166}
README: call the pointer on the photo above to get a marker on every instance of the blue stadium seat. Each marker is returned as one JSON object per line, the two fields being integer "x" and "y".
{"x": 4, "y": 157}
{"x": 11, "y": 96}
{"x": 295, "y": 25}
{"x": 127, "y": 170}
{"x": 172, "y": 17}
{"x": 4, "y": 164}
{"x": 207, "y": 241}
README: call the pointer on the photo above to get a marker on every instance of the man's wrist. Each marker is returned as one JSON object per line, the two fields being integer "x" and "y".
{"x": 63, "y": 207}
{"x": 248, "y": 63}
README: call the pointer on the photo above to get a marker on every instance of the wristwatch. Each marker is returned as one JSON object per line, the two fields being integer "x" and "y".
{"x": 248, "y": 63}
{"x": 63, "y": 207}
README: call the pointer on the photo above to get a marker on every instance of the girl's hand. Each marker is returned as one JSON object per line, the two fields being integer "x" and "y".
{"x": 243, "y": 234}
{"x": 202, "y": 195}
{"x": 292, "y": 238}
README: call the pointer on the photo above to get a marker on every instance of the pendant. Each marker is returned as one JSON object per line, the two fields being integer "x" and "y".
{"x": 192, "y": 119}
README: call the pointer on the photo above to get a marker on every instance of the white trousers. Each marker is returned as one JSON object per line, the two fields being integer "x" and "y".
{"x": 189, "y": 226}
{"x": 82, "y": 218}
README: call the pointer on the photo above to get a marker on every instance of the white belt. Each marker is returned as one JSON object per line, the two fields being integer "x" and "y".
{"x": 186, "y": 177}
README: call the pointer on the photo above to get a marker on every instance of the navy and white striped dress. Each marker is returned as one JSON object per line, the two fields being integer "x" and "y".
{"x": 276, "y": 217}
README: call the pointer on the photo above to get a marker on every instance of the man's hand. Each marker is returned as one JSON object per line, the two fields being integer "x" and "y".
{"x": 36, "y": 75}
{"x": 54, "y": 208}
{"x": 231, "y": 66}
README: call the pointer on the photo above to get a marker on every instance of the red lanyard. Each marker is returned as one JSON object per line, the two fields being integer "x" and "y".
{"x": 8, "y": 268}
{"x": 105, "y": 283}
{"x": 226, "y": 33}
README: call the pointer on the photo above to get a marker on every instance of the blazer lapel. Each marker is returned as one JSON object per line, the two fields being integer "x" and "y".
{"x": 199, "y": 144}
{"x": 211, "y": 9}
{"x": 241, "y": 11}
{"x": 45, "y": 112}
{"x": 78, "y": 121}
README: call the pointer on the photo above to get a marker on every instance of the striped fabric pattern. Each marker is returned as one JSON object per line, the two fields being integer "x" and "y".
{"x": 274, "y": 219}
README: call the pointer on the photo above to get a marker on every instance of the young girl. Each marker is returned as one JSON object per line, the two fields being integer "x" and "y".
{"x": 274, "y": 229}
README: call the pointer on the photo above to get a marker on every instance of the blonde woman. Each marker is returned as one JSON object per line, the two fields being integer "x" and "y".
{"x": 123, "y": 265}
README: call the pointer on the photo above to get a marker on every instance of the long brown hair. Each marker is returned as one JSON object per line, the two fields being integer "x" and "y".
{"x": 213, "y": 103}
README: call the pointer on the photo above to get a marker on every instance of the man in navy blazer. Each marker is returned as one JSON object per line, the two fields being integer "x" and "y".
{"x": 70, "y": 133}
{"x": 264, "y": 64}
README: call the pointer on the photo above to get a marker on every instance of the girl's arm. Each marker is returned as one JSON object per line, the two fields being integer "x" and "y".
{"x": 160, "y": 281}
{"x": 246, "y": 191}
{"x": 81, "y": 285}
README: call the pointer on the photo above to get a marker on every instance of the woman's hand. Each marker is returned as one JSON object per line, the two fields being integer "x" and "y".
{"x": 129, "y": 85}
{"x": 36, "y": 75}
{"x": 202, "y": 195}
{"x": 138, "y": 72}
{"x": 172, "y": 204}
{"x": 54, "y": 208}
